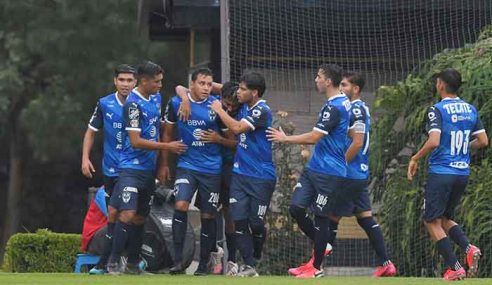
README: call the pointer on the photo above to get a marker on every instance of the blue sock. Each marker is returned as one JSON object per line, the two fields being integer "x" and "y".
{"x": 303, "y": 221}
{"x": 120, "y": 237}
{"x": 108, "y": 244}
{"x": 180, "y": 222}
{"x": 231, "y": 247}
{"x": 207, "y": 238}
{"x": 258, "y": 232}
{"x": 446, "y": 251}
{"x": 459, "y": 237}
{"x": 320, "y": 239}
{"x": 135, "y": 243}
{"x": 332, "y": 232}
{"x": 375, "y": 235}
{"x": 245, "y": 242}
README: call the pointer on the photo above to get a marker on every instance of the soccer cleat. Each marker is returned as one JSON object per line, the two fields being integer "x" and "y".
{"x": 231, "y": 268}
{"x": 178, "y": 268}
{"x": 248, "y": 271}
{"x": 216, "y": 260}
{"x": 472, "y": 258}
{"x": 97, "y": 271}
{"x": 202, "y": 269}
{"x": 298, "y": 270}
{"x": 135, "y": 269}
{"x": 114, "y": 269}
{"x": 454, "y": 275}
{"x": 387, "y": 270}
{"x": 311, "y": 272}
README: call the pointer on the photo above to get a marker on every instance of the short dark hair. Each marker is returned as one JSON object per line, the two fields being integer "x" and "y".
{"x": 229, "y": 92}
{"x": 124, "y": 68}
{"x": 254, "y": 81}
{"x": 333, "y": 72}
{"x": 201, "y": 71}
{"x": 355, "y": 78}
{"x": 148, "y": 69}
{"x": 451, "y": 78}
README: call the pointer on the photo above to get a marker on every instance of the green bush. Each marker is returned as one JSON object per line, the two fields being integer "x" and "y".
{"x": 400, "y": 125}
{"x": 42, "y": 251}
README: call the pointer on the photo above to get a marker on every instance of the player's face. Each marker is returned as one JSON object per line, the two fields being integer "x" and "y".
{"x": 244, "y": 95}
{"x": 439, "y": 85}
{"x": 202, "y": 86}
{"x": 124, "y": 83}
{"x": 229, "y": 105}
{"x": 322, "y": 82}
{"x": 155, "y": 83}
{"x": 348, "y": 88}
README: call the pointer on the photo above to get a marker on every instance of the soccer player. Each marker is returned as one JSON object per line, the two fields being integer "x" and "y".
{"x": 230, "y": 103}
{"x": 108, "y": 115}
{"x": 198, "y": 168}
{"x": 136, "y": 182}
{"x": 354, "y": 198}
{"x": 323, "y": 176}
{"x": 253, "y": 180}
{"x": 454, "y": 128}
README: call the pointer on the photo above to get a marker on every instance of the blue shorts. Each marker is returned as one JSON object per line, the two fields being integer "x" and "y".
{"x": 442, "y": 194}
{"x": 225, "y": 184}
{"x": 316, "y": 191}
{"x": 250, "y": 198}
{"x": 353, "y": 198}
{"x": 109, "y": 184}
{"x": 208, "y": 186}
{"x": 133, "y": 191}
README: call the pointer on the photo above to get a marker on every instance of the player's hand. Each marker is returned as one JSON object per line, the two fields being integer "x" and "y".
{"x": 163, "y": 174}
{"x": 276, "y": 135}
{"x": 176, "y": 147}
{"x": 184, "y": 111}
{"x": 412, "y": 168}
{"x": 87, "y": 168}
{"x": 216, "y": 106}
{"x": 210, "y": 136}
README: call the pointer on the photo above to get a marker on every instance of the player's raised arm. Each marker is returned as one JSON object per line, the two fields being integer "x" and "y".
{"x": 328, "y": 119}
{"x": 235, "y": 126}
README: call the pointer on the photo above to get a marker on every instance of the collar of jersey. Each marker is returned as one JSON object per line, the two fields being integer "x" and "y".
{"x": 336, "y": 96}
{"x": 256, "y": 104}
{"x": 198, "y": 102}
{"x": 357, "y": 100}
{"x": 140, "y": 95}
{"x": 448, "y": 98}
{"x": 117, "y": 100}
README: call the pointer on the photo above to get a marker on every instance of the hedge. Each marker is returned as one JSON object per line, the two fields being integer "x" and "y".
{"x": 43, "y": 251}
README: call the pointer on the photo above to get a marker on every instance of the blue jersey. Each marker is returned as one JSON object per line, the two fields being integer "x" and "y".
{"x": 142, "y": 115}
{"x": 200, "y": 156}
{"x": 329, "y": 152}
{"x": 457, "y": 121}
{"x": 360, "y": 122}
{"x": 254, "y": 152}
{"x": 108, "y": 114}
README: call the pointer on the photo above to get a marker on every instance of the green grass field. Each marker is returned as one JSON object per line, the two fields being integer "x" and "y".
{"x": 49, "y": 279}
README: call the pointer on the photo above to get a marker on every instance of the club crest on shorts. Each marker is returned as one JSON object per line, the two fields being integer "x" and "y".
{"x": 126, "y": 197}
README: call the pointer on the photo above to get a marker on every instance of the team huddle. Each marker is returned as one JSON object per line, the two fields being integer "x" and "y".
{"x": 222, "y": 135}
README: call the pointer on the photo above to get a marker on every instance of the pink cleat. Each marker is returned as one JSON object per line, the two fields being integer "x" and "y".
{"x": 454, "y": 275}
{"x": 472, "y": 258}
{"x": 387, "y": 270}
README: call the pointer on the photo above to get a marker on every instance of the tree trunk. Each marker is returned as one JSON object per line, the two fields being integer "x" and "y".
{"x": 14, "y": 194}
